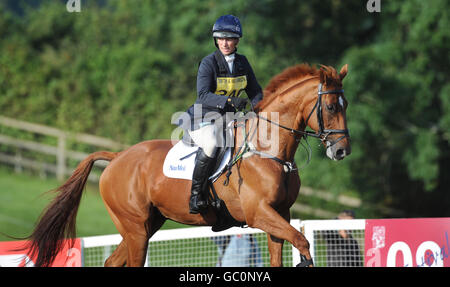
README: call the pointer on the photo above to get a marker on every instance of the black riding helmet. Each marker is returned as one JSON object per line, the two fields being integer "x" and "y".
{"x": 227, "y": 26}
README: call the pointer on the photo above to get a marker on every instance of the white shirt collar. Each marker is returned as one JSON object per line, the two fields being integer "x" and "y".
{"x": 230, "y": 60}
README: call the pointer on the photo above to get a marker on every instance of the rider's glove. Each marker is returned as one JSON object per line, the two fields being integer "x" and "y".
{"x": 237, "y": 103}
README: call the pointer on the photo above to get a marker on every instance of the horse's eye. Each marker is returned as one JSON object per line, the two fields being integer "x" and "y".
{"x": 332, "y": 108}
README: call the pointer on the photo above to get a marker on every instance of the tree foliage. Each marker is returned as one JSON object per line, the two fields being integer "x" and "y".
{"x": 120, "y": 69}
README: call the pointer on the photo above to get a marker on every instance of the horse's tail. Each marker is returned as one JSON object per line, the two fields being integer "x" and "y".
{"x": 58, "y": 220}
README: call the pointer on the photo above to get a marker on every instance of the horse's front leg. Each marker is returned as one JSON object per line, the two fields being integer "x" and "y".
{"x": 275, "y": 245}
{"x": 261, "y": 215}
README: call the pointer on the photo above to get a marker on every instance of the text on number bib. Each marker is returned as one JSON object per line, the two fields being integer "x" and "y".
{"x": 231, "y": 86}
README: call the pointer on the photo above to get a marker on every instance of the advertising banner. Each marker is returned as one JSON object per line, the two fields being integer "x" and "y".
{"x": 418, "y": 242}
{"x": 11, "y": 257}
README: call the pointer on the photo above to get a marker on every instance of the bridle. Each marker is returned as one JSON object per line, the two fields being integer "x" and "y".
{"x": 322, "y": 133}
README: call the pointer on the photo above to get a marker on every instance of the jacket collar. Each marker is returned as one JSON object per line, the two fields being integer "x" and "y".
{"x": 223, "y": 65}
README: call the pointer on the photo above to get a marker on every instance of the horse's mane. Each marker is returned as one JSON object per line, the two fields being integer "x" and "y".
{"x": 291, "y": 74}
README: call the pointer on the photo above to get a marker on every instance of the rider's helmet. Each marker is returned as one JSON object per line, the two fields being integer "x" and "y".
{"x": 227, "y": 26}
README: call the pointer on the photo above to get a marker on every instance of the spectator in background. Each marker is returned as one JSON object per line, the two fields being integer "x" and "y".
{"x": 222, "y": 243}
{"x": 343, "y": 249}
{"x": 239, "y": 250}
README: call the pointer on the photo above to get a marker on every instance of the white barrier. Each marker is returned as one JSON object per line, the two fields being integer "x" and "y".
{"x": 418, "y": 242}
{"x": 199, "y": 246}
{"x": 196, "y": 246}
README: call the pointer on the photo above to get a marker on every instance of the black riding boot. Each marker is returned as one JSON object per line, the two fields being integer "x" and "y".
{"x": 203, "y": 164}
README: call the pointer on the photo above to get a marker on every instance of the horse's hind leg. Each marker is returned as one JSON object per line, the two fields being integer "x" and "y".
{"x": 155, "y": 221}
{"x": 137, "y": 244}
{"x": 138, "y": 236}
{"x": 133, "y": 248}
{"x": 119, "y": 257}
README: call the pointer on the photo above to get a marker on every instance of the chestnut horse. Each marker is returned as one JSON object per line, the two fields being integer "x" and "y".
{"x": 139, "y": 197}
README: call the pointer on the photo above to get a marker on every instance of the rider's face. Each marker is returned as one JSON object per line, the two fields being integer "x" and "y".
{"x": 227, "y": 45}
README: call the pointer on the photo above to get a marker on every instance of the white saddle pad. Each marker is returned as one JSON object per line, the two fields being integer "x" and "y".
{"x": 180, "y": 161}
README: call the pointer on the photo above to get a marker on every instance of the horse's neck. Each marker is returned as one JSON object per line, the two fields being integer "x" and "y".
{"x": 287, "y": 112}
{"x": 273, "y": 139}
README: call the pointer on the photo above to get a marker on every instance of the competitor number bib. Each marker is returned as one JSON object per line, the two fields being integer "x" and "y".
{"x": 231, "y": 86}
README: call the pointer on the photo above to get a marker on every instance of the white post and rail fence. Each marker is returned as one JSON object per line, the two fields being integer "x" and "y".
{"x": 61, "y": 152}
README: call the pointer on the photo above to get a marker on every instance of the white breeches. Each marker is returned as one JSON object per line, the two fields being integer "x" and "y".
{"x": 205, "y": 137}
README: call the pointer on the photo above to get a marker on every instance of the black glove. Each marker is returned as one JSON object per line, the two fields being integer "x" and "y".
{"x": 237, "y": 103}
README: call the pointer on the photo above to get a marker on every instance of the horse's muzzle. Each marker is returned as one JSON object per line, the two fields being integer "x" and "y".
{"x": 338, "y": 151}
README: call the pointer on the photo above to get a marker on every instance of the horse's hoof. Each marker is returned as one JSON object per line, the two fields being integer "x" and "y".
{"x": 305, "y": 262}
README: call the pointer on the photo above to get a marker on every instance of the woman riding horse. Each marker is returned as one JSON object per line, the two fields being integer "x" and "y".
{"x": 261, "y": 189}
{"x": 221, "y": 78}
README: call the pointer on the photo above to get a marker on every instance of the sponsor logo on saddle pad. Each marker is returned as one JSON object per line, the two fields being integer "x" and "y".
{"x": 180, "y": 161}
{"x": 177, "y": 167}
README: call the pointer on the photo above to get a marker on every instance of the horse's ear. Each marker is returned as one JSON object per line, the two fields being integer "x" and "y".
{"x": 322, "y": 76}
{"x": 343, "y": 72}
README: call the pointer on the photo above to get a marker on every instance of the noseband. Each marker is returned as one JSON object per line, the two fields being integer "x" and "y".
{"x": 322, "y": 133}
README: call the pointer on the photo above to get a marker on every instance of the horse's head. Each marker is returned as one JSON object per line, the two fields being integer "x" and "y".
{"x": 326, "y": 113}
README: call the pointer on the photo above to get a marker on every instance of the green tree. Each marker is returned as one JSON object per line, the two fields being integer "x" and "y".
{"x": 399, "y": 91}
{"x": 120, "y": 69}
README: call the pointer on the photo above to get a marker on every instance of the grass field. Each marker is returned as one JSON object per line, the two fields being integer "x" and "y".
{"x": 23, "y": 197}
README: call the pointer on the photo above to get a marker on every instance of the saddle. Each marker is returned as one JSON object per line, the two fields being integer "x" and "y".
{"x": 180, "y": 163}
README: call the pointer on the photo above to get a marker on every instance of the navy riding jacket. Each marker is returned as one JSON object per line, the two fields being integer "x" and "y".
{"x": 215, "y": 84}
